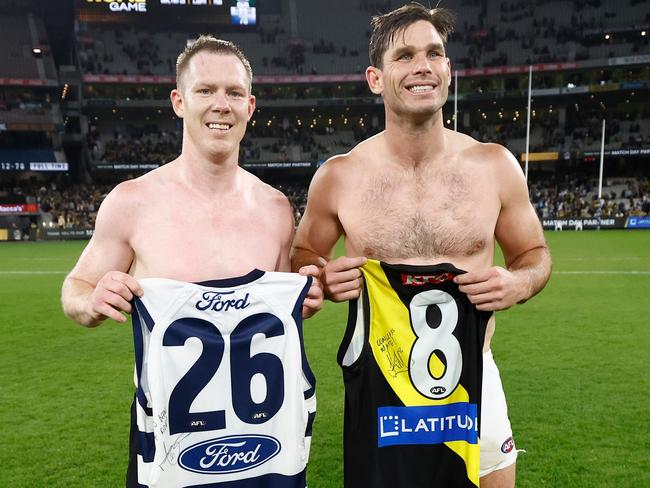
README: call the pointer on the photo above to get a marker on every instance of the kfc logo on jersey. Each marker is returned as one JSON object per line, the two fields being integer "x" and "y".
{"x": 214, "y": 300}
{"x": 421, "y": 280}
{"x": 229, "y": 454}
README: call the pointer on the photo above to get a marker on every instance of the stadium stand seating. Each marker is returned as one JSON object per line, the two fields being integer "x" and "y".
{"x": 20, "y": 33}
{"x": 104, "y": 124}
{"x": 332, "y": 37}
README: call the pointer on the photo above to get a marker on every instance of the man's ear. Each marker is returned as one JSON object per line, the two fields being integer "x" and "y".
{"x": 375, "y": 80}
{"x": 251, "y": 106}
{"x": 449, "y": 72}
{"x": 176, "y": 98}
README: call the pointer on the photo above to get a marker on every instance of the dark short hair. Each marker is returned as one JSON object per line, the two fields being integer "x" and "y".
{"x": 211, "y": 44}
{"x": 385, "y": 27}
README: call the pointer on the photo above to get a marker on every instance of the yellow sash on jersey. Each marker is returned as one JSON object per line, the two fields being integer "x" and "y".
{"x": 391, "y": 339}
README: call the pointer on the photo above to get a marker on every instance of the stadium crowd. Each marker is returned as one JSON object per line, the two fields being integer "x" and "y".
{"x": 489, "y": 34}
{"x": 578, "y": 198}
{"x": 292, "y": 140}
{"x": 75, "y": 206}
{"x": 285, "y": 140}
{"x": 65, "y": 207}
{"x": 527, "y": 32}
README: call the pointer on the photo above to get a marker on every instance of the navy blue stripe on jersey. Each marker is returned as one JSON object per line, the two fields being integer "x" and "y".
{"x": 296, "y": 313}
{"x": 266, "y": 481}
{"x": 144, "y": 313}
{"x": 310, "y": 423}
{"x": 138, "y": 346}
{"x": 297, "y": 317}
{"x": 256, "y": 274}
{"x": 146, "y": 446}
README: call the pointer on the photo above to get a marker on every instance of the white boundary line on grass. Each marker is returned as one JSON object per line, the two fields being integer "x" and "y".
{"x": 602, "y": 272}
{"x": 2, "y": 273}
{"x": 588, "y": 272}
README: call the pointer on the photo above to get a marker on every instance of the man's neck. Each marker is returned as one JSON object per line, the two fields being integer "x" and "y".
{"x": 415, "y": 142}
{"x": 209, "y": 177}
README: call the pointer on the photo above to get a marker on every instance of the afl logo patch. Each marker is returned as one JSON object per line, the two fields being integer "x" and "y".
{"x": 508, "y": 445}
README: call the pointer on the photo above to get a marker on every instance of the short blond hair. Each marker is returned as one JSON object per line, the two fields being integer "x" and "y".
{"x": 211, "y": 44}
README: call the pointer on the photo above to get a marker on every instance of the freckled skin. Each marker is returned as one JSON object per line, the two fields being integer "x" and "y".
{"x": 199, "y": 217}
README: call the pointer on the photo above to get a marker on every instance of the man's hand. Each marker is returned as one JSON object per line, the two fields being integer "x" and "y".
{"x": 112, "y": 295}
{"x": 493, "y": 289}
{"x": 314, "y": 299}
{"x": 341, "y": 278}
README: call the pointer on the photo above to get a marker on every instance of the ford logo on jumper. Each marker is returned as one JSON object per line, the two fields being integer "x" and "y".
{"x": 229, "y": 454}
{"x": 220, "y": 301}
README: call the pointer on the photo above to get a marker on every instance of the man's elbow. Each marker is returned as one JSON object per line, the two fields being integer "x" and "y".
{"x": 302, "y": 256}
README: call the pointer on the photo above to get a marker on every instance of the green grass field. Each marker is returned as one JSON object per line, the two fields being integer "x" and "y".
{"x": 574, "y": 361}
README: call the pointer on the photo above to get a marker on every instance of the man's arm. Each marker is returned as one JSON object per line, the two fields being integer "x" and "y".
{"x": 521, "y": 238}
{"x": 314, "y": 300}
{"x": 318, "y": 231}
{"x": 319, "y": 227}
{"x": 98, "y": 287}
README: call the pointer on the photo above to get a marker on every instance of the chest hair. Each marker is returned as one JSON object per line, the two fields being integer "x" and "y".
{"x": 419, "y": 215}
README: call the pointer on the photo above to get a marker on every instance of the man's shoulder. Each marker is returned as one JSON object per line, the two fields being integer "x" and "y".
{"x": 264, "y": 193}
{"x": 356, "y": 158}
{"x": 130, "y": 194}
{"x": 483, "y": 152}
{"x": 132, "y": 190}
{"x": 494, "y": 162}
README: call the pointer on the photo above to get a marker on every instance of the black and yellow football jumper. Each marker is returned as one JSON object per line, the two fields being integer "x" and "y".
{"x": 412, "y": 365}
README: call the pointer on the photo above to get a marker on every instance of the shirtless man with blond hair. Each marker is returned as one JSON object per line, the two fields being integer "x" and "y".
{"x": 420, "y": 194}
{"x": 200, "y": 217}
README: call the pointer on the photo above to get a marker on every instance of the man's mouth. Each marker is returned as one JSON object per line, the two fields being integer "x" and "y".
{"x": 218, "y": 126}
{"x": 421, "y": 88}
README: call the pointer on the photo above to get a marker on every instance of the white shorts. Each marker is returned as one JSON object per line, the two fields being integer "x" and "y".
{"x": 497, "y": 444}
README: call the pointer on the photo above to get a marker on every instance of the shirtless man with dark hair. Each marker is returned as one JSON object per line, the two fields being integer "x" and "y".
{"x": 420, "y": 194}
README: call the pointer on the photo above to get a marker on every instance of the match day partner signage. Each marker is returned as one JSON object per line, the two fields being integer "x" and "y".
{"x": 583, "y": 224}
{"x": 65, "y": 234}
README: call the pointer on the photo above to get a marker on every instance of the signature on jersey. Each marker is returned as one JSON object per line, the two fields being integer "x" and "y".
{"x": 396, "y": 362}
{"x": 171, "y": 452}
{"x": 162, "y": 422}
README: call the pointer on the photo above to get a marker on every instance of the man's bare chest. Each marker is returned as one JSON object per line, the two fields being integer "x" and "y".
{"x": 405, "y": 218}
{"x": 204, "y": 246}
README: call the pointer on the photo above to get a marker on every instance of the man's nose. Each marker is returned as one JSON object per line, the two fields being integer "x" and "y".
{"x": 220, "y": 102}
{"x": 422, "y": 65}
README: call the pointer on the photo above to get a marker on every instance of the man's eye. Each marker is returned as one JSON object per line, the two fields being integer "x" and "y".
{"x": 204, "y": 91}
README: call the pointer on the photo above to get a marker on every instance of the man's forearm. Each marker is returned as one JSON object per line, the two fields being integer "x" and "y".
{"x": 76, "y": 295}
{"x": 301, "y": 256}
{"x": 534, "y": 268}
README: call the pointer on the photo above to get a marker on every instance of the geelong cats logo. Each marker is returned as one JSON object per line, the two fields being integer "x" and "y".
{"x": 229, "y": 454}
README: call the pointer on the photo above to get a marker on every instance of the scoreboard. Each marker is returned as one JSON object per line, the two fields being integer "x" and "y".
{"x": 224, "y": 12}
